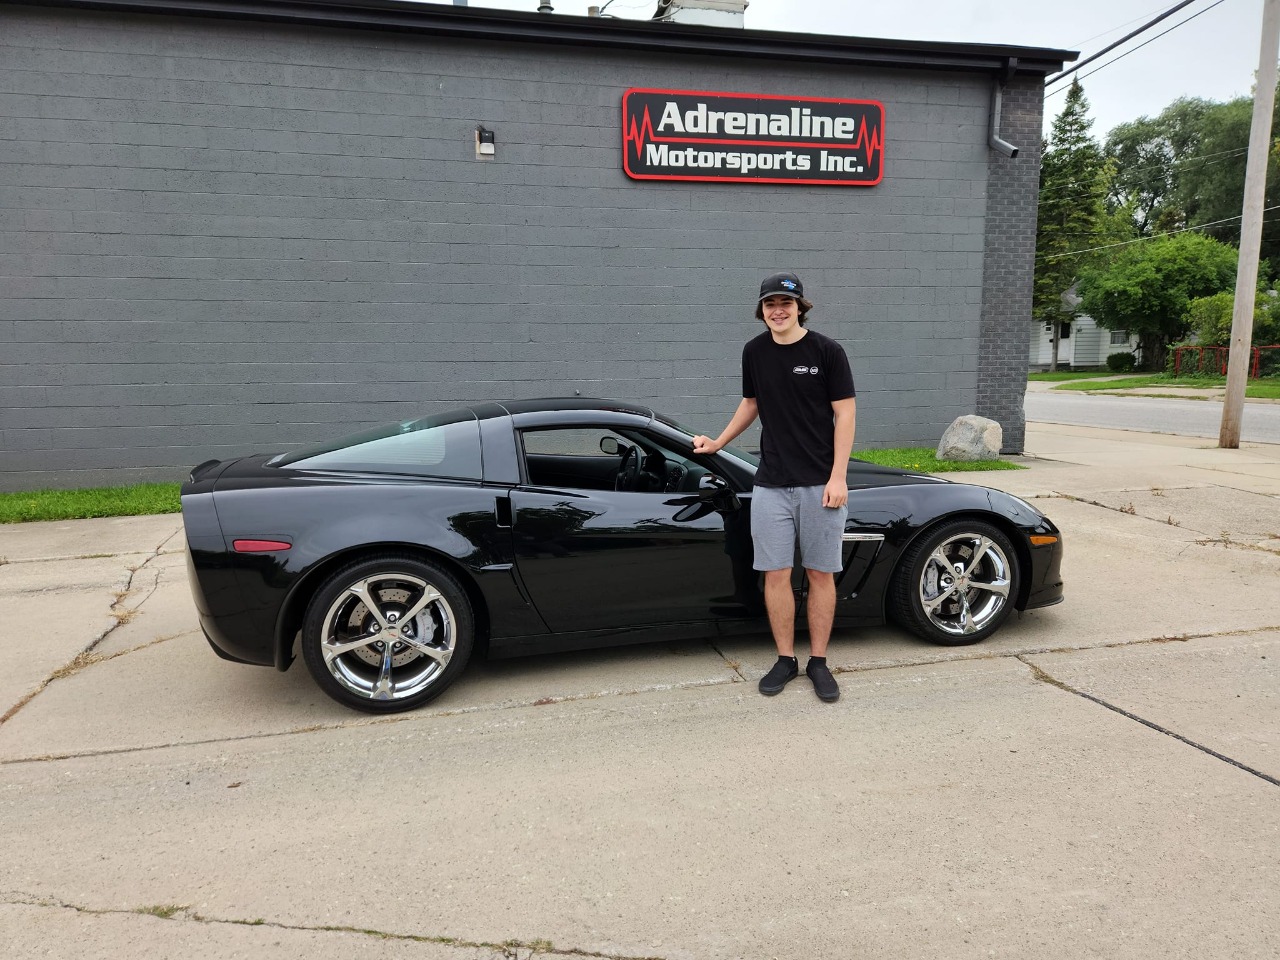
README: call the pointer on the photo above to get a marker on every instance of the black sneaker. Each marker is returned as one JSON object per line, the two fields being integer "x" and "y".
{"x": 783, "y": 672}
{"x": 824, "y": 684}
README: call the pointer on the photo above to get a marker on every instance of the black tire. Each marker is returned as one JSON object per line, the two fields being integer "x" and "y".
{"x": 925, "y": 598}
{"x": 427, "y": 652}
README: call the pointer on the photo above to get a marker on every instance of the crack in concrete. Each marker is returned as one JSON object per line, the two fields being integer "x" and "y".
{"x": 85, "y": 657}
{"x": 412, "y": 716}
{"x": 1042, "y": 675}
{"x": 76, "y": 556}
{"x": 512, "y": 949}
{"x": 733, "y": 665}
{"x": 1129, "y": 511}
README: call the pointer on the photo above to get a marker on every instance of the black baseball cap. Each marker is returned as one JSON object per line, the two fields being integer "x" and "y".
{"x": 782, "y": 285}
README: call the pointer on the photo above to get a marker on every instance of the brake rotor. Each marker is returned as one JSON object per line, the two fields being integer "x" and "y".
{"x": 393, "y": 600}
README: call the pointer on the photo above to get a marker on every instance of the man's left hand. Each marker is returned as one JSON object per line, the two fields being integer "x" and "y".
{"x": 835, "y": 493}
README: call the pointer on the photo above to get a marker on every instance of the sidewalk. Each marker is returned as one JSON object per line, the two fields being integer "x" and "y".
{"x": 1048, "y": 793}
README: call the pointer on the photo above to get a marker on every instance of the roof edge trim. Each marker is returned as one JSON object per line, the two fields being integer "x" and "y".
{"x": 643, "y": 35}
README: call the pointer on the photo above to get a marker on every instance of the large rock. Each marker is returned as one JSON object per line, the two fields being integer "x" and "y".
{"x": 971, "y": 438}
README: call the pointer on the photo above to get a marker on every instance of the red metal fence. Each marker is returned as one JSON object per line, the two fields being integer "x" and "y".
{"x": 1188, "y": 361}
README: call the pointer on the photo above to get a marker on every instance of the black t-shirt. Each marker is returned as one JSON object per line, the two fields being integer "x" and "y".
{"x": 794, "y": 385}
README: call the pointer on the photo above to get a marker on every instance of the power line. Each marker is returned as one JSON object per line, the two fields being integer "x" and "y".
{"x": 1128, "y": 52}
{"x": 1128, "y": 187}
{"x": 1154, "y": 236}
{"x": 1156, "y": 166}
{"x": 1119, "y": 26}
{"x": 1125, "y": 39}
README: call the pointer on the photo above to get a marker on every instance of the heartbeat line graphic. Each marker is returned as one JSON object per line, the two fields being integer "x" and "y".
{"x": 642, "y": 135}
{"x": 872, "y": 140}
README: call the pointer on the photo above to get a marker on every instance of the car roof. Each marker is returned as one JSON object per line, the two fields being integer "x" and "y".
{"x": 562, "y": 404}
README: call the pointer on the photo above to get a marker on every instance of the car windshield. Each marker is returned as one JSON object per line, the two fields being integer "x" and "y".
{"x": 443, "y": 445}
{"x": 736, "y": 452}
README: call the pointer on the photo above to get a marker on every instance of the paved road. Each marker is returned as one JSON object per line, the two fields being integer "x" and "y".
{"x": 1046, "y": 794}
{"x": 1189, "y": 418}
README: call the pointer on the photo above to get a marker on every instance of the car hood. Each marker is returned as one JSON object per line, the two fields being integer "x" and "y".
{"x": 862, "y": 475}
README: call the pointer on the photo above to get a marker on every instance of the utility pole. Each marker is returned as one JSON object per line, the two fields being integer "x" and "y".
{"x": 1255, "y": 184}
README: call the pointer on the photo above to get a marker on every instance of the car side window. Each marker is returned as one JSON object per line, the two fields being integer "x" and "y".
{"x": 431, "y": 446}
{"x": 594, "y": 458}
{"x": 570, "y": 442}
{"x": 573, "y": 457}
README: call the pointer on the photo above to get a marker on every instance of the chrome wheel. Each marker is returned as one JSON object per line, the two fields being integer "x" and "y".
{"x": 387, "y": 634}
{"x": 956, "y": 583}
{"x": 965, "y": 584}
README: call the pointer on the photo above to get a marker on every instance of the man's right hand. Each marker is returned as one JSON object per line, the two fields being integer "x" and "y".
{"x": 703, "y": 444}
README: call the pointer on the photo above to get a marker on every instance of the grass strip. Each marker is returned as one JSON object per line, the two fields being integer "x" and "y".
{"x": 131, "y": 501}
{"x": 1047, "y": 376}
{"x": 1268, "y": 389}
{"x": 924, "y": 460}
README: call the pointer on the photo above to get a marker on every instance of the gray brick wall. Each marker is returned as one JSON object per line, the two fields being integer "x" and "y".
{"x": 1009, "y": 262}
{"x": 219, "y": 238}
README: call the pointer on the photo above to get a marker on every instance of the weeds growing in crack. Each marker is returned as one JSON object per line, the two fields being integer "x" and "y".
{"x": 78, "y": 663}
{"x": 163, "y": 911}
{"x": 1128, "y": 508}
{"x": 1157, "y": 491}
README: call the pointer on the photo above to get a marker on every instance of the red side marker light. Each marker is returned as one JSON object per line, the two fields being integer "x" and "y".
{"x": 259, "y": 546}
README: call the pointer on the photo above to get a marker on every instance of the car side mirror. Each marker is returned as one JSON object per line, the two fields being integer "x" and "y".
{"x": 610, "y": 445}
{"x": 715, "y": 491}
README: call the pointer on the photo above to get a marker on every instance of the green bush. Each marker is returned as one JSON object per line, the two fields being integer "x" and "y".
{"x": 1121, "y": 362}
{"x": 1210, "y": 318}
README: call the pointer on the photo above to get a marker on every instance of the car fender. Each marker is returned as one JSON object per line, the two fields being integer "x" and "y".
{"x": 903, "y": 514}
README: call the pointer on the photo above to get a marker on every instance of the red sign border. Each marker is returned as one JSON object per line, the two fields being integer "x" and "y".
{"x": 626, "y": 160}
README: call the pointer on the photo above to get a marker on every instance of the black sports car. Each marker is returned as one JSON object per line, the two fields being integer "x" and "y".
{"x": 392, "y": 556}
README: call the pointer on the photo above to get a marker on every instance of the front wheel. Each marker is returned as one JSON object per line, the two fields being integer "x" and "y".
{"x": 956, "y": 584}
{"x": 387, "y": 634}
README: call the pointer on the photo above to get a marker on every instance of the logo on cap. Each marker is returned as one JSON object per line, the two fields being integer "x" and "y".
{"x": 789, "y": 284}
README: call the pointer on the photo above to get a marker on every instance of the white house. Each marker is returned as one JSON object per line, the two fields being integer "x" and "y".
{"x": 1083, "y": 344}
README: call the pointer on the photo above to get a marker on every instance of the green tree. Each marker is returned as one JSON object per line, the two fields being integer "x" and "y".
{"x": 1210, "y": 182}
{"x": 1210, "y": 318}
{"x": 1147, "y": 288}
{"x": 1071, "y": 214}
{"x": 1148, "y": 155}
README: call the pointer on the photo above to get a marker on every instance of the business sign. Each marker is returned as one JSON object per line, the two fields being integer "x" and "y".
{"x": 735, "y": 137}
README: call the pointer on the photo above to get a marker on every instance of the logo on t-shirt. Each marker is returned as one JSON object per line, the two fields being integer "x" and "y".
{"x": 801, "y": 368}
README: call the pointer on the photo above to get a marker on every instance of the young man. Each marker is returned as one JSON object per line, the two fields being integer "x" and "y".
{"x": 798, "y": 383}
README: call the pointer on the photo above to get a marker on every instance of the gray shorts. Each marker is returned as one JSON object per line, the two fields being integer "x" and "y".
{"x": 781, "y": 517}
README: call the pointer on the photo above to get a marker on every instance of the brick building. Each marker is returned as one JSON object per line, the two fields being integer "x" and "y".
{"x": 229, "y": 227}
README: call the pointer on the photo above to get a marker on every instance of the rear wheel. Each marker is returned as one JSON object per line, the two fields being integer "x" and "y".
{"x": 956, "y": 584}
{"x": 387, "y": 634}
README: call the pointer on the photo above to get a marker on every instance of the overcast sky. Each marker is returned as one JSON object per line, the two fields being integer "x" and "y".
{"x": 1214, "y": 56}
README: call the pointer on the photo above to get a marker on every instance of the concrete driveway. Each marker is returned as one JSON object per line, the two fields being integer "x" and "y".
{"x": 1102, "y": 778}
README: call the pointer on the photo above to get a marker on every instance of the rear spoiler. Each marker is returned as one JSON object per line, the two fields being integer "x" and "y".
{"x": 198, "y": 471}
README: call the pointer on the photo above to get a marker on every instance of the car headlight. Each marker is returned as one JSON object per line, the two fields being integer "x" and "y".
{"x": 1030, "y": 509}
